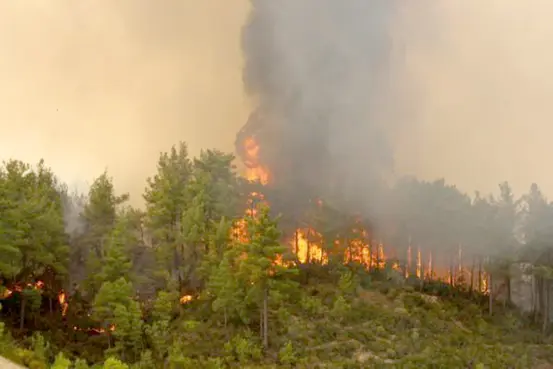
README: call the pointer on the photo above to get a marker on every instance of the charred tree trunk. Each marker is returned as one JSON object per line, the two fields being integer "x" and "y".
{"x": 541, "y": 300}
{"x": 490, "y": 294}
{"x": 480, "y": 276}
{"x": 22, "y": 311}
{"x": 545, "y": 310}
{"x": 508, "y": 291}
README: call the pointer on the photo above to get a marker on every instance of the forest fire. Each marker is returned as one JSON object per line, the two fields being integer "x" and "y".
{"x": 307, "y": 243}
{"x": 255, "y": 171}
{"x": 185, "y": 299}
{"x": 111, "y": 328}
{"x": 62, "y": 299}
{"x": 38, "y": 285}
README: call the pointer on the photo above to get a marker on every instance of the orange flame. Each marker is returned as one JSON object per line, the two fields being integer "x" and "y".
{"x": 255, "y": 171}
{"x": 307, "y": 247}
{"x": 307, "y": 243}
{"x": 186, "y": 299}
{"x": 62, "y": 299}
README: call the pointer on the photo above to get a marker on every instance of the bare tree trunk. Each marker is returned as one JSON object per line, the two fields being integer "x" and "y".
{"x": 533, "y": 296}
{"x": 451, "y": 273}
{"x": 545, "y": 310}
{"x": 490, "y": 294}
{"x": 472, "y": 277}
{"x": 22, "y": 311}
{"x": 541, "y": 301}
{"x": 480, "y": 275}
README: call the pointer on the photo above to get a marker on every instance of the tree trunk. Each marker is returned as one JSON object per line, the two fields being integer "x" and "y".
{"x": 545, "y": 311}
{"x": 22, "y": 311}
{"x": 480, "y": 276}
{"x": 451, "y": 273}
{"x": 490, "y": 294}
{"x": 472, "y": 277}
{"x": 541, "y": 301}
{"x": 261, "y": 324}
{"x": 50, "y": 303}
{"x": 266, "y": 318}
{"x": 533, "y": 296}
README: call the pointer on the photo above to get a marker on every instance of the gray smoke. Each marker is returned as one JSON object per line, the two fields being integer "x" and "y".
{"x": 322, "y": 74}
{"x": 357, "y": 92}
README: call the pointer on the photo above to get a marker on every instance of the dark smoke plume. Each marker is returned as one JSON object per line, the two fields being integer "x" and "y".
{"x": 320, "y": 73}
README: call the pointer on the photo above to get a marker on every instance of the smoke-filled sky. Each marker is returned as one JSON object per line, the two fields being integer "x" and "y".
{"x": 90, "y": 84}
{"x": 456, "y": 88}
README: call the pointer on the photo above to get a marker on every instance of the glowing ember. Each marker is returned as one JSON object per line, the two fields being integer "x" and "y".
{"x": 111, "y": 328}
{"x": 62, "y": 299}
{"x": 186, "y": 299}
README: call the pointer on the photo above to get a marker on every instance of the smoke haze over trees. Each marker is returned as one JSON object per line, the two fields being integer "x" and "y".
{"x": 112, "y": 71}
{"x": 344, "y": 99}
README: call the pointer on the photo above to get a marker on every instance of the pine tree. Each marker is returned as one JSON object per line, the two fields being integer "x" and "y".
{"x": 100, "y": 217}
{"x": 32, "y": 227}
{"x": 116, "y": 263}
{"x": 120, "y": 317}
{"x": 259, "y": 269}
{"x": 166, "y": 200}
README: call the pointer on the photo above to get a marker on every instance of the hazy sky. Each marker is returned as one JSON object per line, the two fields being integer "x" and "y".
{"x": 90, "y": 84}
{"x": 481, "y": 91}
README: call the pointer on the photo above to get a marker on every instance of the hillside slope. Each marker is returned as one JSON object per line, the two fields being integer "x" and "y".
{"x": 378, "y": 327}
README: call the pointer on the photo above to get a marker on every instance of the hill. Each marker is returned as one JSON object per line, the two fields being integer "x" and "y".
{"x": 363, "y": 324}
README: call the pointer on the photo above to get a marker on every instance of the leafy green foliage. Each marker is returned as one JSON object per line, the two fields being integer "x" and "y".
{"x": 61, "y": 362}
{"x": 249, "y": 302}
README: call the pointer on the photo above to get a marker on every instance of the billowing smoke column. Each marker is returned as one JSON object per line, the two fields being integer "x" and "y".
{"x": 320, "y": 73}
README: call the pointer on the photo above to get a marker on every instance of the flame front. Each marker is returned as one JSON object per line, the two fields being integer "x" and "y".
{"x": 307, "y": 243}
{"x": 255, "y": 171}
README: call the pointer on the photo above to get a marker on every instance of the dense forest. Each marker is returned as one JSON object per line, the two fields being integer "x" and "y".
{"x": 217, "y": 271}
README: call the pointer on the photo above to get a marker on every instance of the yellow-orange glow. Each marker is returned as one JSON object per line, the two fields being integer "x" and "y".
{"x": 257, "y": 174}
{"x": 186, "y": 299}
{"x": 408, "y": 269}
{"x": 307, "y": 243}
{"x": 419, "y": 263}
{"x": 307, "y": 247}
{"x": 111, "y": 328}
{"x": 62, "y": 299}
{"x": 429, "y": 271}
{"x": 255, "y": 171}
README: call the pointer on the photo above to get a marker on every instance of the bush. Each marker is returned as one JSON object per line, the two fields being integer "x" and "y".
{"x": 287, "y": 354}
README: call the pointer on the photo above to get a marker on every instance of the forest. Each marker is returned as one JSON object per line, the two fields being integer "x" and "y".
{"x": 218, "y": 271}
